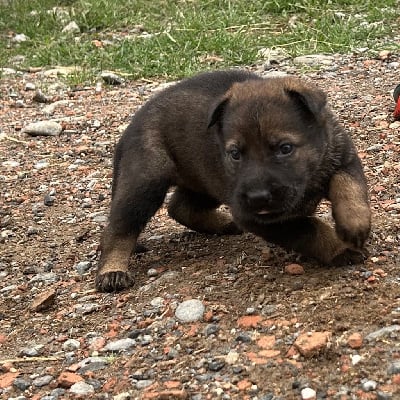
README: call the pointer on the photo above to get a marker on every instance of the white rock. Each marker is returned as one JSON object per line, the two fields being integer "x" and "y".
{"x": 72, "y": 27}
{"x": 190, "y": 310}
{"x": 30, "y": 86}
{"x": 232, "y": 357}
{"x": 49, "y": 109}
{"x": 20, "y": 37}
{"x": 43, "y": 128}
{"x": 81, "y": 388}
{"x": 10, "y": 164}
{"x": 71, "y": 345}
{"x": 120, "y": 345}
{"x": 314, "y": 59}
{"x": 355, "y": 359}
{"x": 308, "y": 394}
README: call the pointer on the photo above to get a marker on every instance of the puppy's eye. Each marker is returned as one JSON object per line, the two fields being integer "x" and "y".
{"x": 285, "y": 149}
{"x": 235, "y": 154}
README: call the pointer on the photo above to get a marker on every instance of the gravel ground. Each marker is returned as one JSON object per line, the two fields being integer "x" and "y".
{"x": 209, "y": 317}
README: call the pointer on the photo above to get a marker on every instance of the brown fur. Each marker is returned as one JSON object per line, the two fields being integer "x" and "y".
{"x": 270, "y": 149}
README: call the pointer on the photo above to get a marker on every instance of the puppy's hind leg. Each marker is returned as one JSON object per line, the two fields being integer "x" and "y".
{"x": 136, "y": 199}
{"x": 198, "y": 211}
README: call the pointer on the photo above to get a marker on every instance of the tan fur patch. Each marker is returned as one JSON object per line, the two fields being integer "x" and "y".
{"x": 117, "y": 258}
{"x": 350, "y": 208}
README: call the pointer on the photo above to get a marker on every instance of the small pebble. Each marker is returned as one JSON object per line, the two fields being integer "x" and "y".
{"x": 215, "y": 365}
{"x": 294, "y": 269}
{"x": 82, "y": 267}
{"x": 308, "y": 394}
{"x": 42, "y": 380}
{"x": 21, "y": 383}
{"x": 48, "y": 200}
{"x": 355, "y": 359}
{"x": 369, "y": 385}
{"x": 40, "y": 97}
{"x": 382, "y": 332}
{"x": 394, "y": 368}
{"x": 157, "y": 302}
{"x": 82, "y": 389}
{"x": 143, "y": 384}
{"x": 30, "y": 86}
{"x": 232, "y": 357}
{"x": 190, "y": 310}
{"x": 33, "y": 351}
{"x": 243, "y": 337}
{"x": 211, "y": 329}
{"x": 120, "y": 345}
{"x": 151, "y": 272}
{"x": 111, "y": 79}
{"x": 355, "y": 340}
{"x": 43, "y": 128}
{"x": 71, "y": 345}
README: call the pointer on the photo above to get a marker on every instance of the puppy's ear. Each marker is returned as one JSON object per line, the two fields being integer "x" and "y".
{"x": 310, "y": 100}
{"x": 217, "y": 111}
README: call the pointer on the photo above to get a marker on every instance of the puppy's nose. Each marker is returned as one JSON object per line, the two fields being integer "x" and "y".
{"x": 258, "y": 199}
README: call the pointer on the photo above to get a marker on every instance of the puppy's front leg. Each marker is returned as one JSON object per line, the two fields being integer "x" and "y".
{"x": 348, "y": 194}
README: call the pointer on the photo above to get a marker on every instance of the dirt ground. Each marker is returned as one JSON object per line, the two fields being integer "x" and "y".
{"x": 55, "y": 195}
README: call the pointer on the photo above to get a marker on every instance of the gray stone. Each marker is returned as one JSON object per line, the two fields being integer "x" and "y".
{"x": 71, "y": 345}
{"x": 211, "y": 329}
{"x": 82, "y": 267}
{"x": 93, "y": 364}
{"x": 49, "y": 109}
{"x": 215, "y": 365}
{"x": 143, "y": 384}
{"x": 48, "y": 200}
{"x": 157, "y": 302}
{"x": 314, "y": 59}
{"x": 32, "y": 351}
{"x": 21, "y": 383}
{"x": 81, "y": 388}
{"x": 382, "y": 332}
{"x": 42, "y": 380}
{"x": 111, "y": 78}
{"x": 152, "y": 272}
{"x": 120, "y": 345}
{"x": 46, "y": 277}
{"x": 394, "y": 368}
{"x": 43, "y": 128}
{"x": 40, "y": 97}
{"x": 86, "y": 308}
{"x": 368, "y": 385}
{"x": 57, "y": 392}
{"x": 190, "y": 310}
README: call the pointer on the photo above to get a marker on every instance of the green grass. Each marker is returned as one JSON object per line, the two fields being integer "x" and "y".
{"x": 185, "y": 36}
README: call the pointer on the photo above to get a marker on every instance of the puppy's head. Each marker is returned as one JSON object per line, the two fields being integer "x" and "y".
{"x": 273, "y": 139}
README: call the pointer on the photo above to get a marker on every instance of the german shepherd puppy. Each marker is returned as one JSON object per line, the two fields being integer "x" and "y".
{"x": 270, "y": 149}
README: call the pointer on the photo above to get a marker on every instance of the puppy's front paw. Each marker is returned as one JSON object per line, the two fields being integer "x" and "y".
{"x": 348, "y": 257}
{"x": 353, "y": 224}
{"x": 113, "y": 281}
